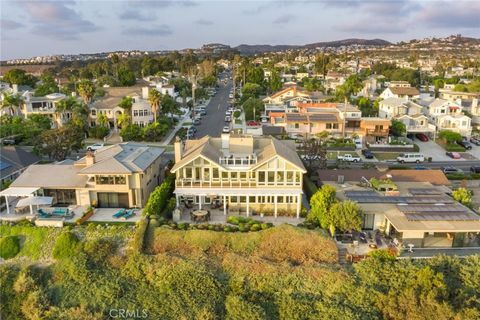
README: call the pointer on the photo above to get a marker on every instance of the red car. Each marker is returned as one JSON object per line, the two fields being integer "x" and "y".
{"x": 422, "y": 137}
{"x": 252, "y": 123}
{"x": 454, "y": 155}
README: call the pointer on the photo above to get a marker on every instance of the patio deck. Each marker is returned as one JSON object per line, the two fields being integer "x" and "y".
{"x": 217, "y": 217}
{"x": 76, "y": 210}
{"x": 106, "y": 215}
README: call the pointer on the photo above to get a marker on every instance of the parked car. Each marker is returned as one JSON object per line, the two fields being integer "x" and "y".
{"x": 358, "y": 144}
{"x": 475, "y": 140}
{"x": 228, "y": 119}
{"x": 8, "y": 141}
{"x": 451, "y": 169}
{"x": 226, "y": 129}
{"x": 350, "y": 158}
{"x": 410, "y": 157}
{"x": 252, "y": 123}
{"x": 196, "y": 121}
{"x": 454, "y": 155}
{"x": 228, "y": 113}
{"x": 421, "y": 137}
{"x": 467, "y": 145}
{"x": 367, "y": 153}
{"x": 475, "y": 169}
{"x": 95, "y": 146}
{"x": 230, "y": 95}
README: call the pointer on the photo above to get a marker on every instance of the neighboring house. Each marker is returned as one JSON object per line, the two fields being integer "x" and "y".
{"x": 141, "y": 109}
{"x": 166, "y": 89}
{"x": 408, "y": 112}
{"x": 448, "y": 93}
{"x": 419, "y": 212}
{"x": 46, "y": 105}
{"x": 117, "y": 176}
{"x": 400, "y": 92}
{"x": 279, "y": 97}
{"x": 13, "y": 161}
{"x": 108, "y": 104}
{"x": 246, "y": 174}
{"x": 333, "y": 80}
{"x": 448, "y": 115}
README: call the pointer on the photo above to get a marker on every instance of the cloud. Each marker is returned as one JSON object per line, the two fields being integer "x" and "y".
{"x": 137, "y": 15}
{"x": 162, "y": 3}
{"x": 284, "y": 19}
{"x": 204, "y": 22}
{"x": 366, "y": 27}
{"x": 458, "y": 14}
{"x": 7, "y": 24}
{"x": 160, "y": 31}
{"x": 56, "y": 19}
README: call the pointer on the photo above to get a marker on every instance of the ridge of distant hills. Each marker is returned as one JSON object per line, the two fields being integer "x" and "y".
{"x": 260, "y": 48}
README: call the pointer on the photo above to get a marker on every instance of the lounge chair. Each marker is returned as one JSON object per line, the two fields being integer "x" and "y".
{"x": 129, "y": 214}
{"x": 60, "y": 212}
{"x": 43, "y": 214}
{"x": 120, "y": 213}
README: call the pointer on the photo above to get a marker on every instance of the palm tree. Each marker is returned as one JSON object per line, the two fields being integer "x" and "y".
{"x": 65, "y": 105}
{"x": 154, "y": 97}
{"x": 102, "y": 120}
{"x": 126, "y": 104}
{"x": 12, "y": 102}
{"x": 86, "y": 90}
{"x": 352, "y": 85}
{"x": 123, "y": 120}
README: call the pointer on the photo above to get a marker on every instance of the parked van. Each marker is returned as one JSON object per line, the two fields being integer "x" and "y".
{"x": 410, "y": 157}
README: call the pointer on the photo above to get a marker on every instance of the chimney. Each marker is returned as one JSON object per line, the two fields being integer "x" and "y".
{"x": 225, "y": 140}
{"x": 178, "y": 150}
{"x": 145, "y": 93}
{"x": 90, "y": 158}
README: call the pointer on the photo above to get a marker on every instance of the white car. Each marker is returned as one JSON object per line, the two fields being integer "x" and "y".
{"x": 228, "y": 119}
{"x": 95, "y": 147}
{"x": 230, "y": 95}
{"x": 228, "y": 113}
{"x": 226, "y": 129}
{"x": 349, "y": 158}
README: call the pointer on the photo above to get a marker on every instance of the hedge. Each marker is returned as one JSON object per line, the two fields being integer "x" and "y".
{"x": 159, "y": 198}
{"x": 454, "y": 148}
{"x": 138, "y": 242}
{"x": 9, "y": 247}
{"x": 66, "y": 245}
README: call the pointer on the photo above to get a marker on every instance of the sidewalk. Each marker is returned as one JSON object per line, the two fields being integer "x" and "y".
{"x": 179, "y": 125}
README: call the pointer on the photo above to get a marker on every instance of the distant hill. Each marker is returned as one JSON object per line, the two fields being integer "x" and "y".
{"x": 261, "y": 48}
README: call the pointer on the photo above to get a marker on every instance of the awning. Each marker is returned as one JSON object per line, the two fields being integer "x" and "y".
{"x": 18, "y": 192}
{"x": 37, "y": 201}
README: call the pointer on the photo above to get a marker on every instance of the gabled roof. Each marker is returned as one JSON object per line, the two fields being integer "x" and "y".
{"x": 13, "y": 158}
{"x": 51, "y": 176}
{"x": 122, "y": 158}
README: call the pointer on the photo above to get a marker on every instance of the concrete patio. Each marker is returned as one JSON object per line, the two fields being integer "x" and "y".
{"x": 106, "y": 215}
{"x": 218, "y": 217}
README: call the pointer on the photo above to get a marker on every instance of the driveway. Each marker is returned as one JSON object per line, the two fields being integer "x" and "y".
{"x": 475, "y": 152}
{"x": 431, "y": 149}
{"x": 213, "y": 123}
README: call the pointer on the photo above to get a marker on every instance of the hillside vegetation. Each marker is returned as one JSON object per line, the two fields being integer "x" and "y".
{"x": 279, "y": 273}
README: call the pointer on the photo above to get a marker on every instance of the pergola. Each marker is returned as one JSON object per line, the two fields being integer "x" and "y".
{"x": 34, "y": 201}
{"x": 18, "y": 192}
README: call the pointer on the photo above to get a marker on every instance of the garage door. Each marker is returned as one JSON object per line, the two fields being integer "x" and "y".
{"x": 112, "y": 200}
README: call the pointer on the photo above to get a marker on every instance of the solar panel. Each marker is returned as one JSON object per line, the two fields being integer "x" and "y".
{"x": 425, "y": 191}
{"x": 415, "y": 208}
{"x": 4, "y": 165}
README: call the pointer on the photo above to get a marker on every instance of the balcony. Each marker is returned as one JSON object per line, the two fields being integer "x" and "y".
{"x": 377, "y": 132}
{"x": 236, "y": 161}
{"x": 193, "y": 183}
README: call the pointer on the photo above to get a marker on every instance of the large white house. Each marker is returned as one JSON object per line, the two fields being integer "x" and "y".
{"x": 243, "y": 174}
{"x": 448, "y": 115}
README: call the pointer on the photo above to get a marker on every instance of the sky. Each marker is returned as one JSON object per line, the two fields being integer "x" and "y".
{"x": 35, "y": 28}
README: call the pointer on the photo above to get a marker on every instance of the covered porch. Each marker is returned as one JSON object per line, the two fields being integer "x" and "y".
{"x": 276, "y": 204}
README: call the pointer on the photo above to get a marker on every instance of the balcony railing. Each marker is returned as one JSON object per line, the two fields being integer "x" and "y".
{"x": 377, "y": 132}
{"x": 192, "y": 183}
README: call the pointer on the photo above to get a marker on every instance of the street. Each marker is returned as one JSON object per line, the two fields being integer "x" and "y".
{"x": 464, "y": 165}
{"x": 214, "y": 121}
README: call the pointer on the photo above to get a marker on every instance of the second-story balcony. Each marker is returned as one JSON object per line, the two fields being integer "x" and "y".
{"x": 377, "y": 132}
{"x": 227, "y": 183}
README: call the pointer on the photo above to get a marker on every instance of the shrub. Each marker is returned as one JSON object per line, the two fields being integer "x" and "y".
{"x": 454, "y": 147}
{"x": 255, "y": 227}
{"x": 99, "y": 250}
{"x": 138, "y": 242}
{"x": 9, "y": 247}
{"x": 66, "y": 245}
{"x": 309, "y": 187}
{"x": 158, "y": 199}
{"x": 227, "y": 229}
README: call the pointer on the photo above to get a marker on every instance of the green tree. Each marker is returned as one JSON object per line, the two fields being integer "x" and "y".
{"x": 57, "y": 144}
{"x": 126, "y": 77}
{"x": 20, "y": 77}
{"x": 398, "y": 128}
{"x": 12, "y": 102}
{"x": 126, "y": 104}
{"x": 169, "y": 105}
{"x": 86, "y": 90}
{"x": 253, "y": 107}
{"x": 320, "y": 204}
{"x": 47, "y": 86}
{"x": 344, "y": 216}
{"x": 131, "y": 132}
{"x": 158, "y": 199}
{"x": 251, "y": 90}
{"x": 274, "y": 81}
{"x": 102, "y": 120}
{"x": 123, "y": 120}
{"x": 450, "y": 137}
{"x": 463, "y": 195}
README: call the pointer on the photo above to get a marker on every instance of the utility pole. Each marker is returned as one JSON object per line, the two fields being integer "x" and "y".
{"x": 194, "y": 86}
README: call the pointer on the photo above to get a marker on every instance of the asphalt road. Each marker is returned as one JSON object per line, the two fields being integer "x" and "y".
{"x": 464, "y": 165}
{"x": 213, "y": 123}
